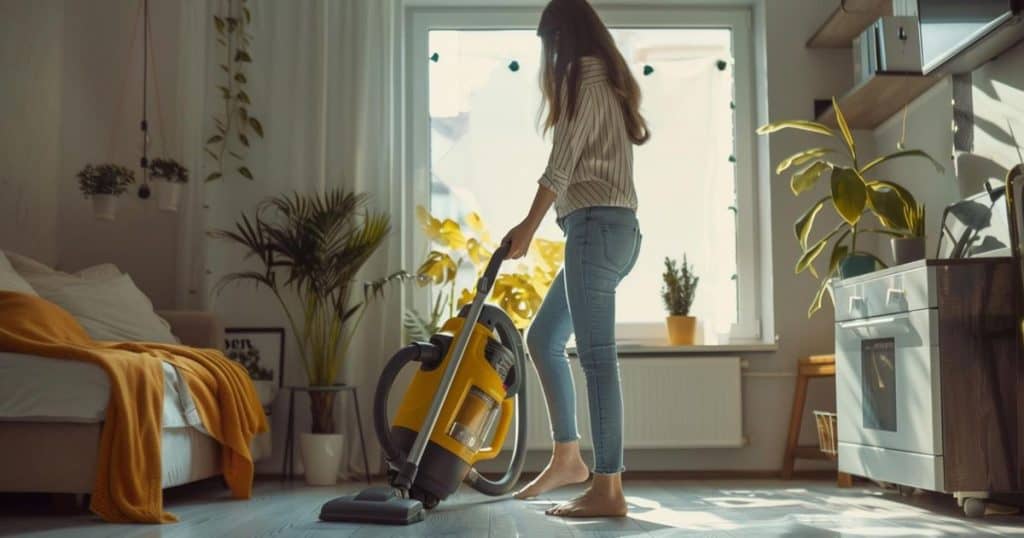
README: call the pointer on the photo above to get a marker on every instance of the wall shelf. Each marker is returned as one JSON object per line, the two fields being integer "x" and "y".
{"x": 878, "y": 99}
{"x": 849, "y": 19}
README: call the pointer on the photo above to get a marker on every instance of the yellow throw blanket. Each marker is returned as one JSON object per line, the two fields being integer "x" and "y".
{"x": 128, "y": 485}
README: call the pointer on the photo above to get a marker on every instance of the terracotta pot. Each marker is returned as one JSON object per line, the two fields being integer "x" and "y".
{"x": 321, "y": 457}
{"x": 681, "y": 330}
{"x": 168, "y": 195}
{"x": 104, "y": 206}
{"x": 907, "y": 249}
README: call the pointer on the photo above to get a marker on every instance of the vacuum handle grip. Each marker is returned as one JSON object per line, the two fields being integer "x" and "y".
{"x": 491, "y": 272}
{"x": 498, "y": 439}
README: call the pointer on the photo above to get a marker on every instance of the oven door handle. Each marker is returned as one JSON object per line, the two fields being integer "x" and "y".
{"x": 875, "y": 322}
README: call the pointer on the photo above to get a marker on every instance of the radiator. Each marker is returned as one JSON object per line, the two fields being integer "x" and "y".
{"x": 677, "y": 402}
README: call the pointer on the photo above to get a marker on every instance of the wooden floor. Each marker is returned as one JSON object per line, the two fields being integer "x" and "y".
{"x": 657, "y": 508}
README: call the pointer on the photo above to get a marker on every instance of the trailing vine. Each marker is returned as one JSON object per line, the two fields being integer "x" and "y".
{"x": 230, "y": 144}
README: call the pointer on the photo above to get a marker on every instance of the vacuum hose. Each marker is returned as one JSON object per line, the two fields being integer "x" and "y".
{"x": 511, "y": 338}
{"x": 416, "y": 351}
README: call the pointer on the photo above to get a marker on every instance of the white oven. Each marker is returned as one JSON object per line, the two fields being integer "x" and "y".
{"x": 887, "y": 377}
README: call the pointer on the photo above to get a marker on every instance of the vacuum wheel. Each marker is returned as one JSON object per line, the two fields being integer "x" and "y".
{"x": 429, "y": 500}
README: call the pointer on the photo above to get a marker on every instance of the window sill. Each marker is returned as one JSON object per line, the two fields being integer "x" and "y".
{"x": 629, "y": 349}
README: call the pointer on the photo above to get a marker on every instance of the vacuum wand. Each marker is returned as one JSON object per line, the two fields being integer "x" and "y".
{"x": 407, "y": 474}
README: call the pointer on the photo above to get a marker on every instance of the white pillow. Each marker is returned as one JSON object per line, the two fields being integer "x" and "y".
{"x": 111, "y": 309}
{"x": 10, "y": 280}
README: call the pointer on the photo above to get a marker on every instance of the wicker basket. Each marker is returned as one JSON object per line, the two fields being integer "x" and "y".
{"x": 828, "y": 440}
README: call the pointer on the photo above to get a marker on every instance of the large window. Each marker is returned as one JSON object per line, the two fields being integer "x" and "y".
{"x": 484, "y": 150}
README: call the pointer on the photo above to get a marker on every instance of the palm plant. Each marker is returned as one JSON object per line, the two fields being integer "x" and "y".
{"x": 853, "y": 194}
{"x": 313, "y": 246}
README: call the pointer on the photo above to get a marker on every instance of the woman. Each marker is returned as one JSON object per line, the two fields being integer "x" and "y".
{"x": 593, "y": 105}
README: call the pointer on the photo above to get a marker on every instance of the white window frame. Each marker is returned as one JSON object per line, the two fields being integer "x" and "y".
{"x": 418, "y": 18}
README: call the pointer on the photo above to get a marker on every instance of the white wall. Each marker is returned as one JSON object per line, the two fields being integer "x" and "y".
{"x": 999, "y": 109}
{"x": 101, "y": 98}
{"x": 31, "y": 59}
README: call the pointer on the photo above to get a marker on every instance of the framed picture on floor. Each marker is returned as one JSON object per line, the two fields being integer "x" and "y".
{"x": 261, "y": 352}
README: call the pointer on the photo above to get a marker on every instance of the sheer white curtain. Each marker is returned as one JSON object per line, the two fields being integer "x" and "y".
{"x": 321, "y": 85}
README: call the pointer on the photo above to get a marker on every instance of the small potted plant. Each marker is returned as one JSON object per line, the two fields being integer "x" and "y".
{"x": 678, "y": 292}
{"x": 909, "y": 247}
{"x": 103, "y": 184}
{"x": 169, "y": 178}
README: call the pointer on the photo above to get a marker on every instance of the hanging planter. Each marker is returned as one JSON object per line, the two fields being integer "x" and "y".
{"x": 103, "y": 184}
{"x": 169, "y": 177}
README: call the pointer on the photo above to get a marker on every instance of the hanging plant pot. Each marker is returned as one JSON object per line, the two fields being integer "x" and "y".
{"x": 168, "y": 195}
{"x": 104, "y": 206}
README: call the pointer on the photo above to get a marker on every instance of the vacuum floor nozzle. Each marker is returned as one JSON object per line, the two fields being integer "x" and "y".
{"x": 374, "y": 505}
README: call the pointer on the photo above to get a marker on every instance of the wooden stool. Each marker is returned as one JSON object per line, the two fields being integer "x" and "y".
{"x": 810, "y": 367}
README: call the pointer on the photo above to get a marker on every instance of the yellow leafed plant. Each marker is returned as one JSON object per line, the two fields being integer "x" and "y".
{"x": 518, "y": 292}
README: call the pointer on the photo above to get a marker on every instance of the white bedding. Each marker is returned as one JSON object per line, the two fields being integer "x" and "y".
{"x": 39, "y": 389}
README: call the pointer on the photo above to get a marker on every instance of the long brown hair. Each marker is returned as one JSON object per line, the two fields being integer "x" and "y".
{"x": 569, "y": 31}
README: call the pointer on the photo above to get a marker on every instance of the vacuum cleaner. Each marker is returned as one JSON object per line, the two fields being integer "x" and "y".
{"x": 457, "y": 412}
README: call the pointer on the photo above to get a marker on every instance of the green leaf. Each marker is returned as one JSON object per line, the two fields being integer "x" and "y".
{"x": 240, "y": 77}
{"x": 245, "y": 172}
{"x": 845, "y": 129}
{"x": 243, "y": 139}
{"x": 219, "y": 23}
{"x": 257, "y": 127}
{"x": 839, "y": 253}
{"x": 224, "y": 68}
{"x": 819, "y": 297}
{"x": 802, "y": 158}
{"x": 244, "y": 97}
{"x": 901, "y": 154}
{"x": 221, "y": 41}
{"x": 849, "y": 194}
{"x": 807, "y": 178}
{"x": 235, "y": 155}
{"x": 248, "y": 15}
{"x": 232, "y": 23}
{"x": 214, "y": 139}
{"x": 803, "y": 225}
{"x": 211, "y": 154}
{"x": 811, "y": 254}
{"x": 800, "y": 125}
{"x": 225, "y": 93}
{"x": 213, "y": 177}
{"x": 888, "y": 201}
{"x": 242, "y": 56}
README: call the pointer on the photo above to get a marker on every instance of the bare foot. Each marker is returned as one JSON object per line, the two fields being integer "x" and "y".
{"x": 591, "y": 504}
{"x": 604, "y": 498}
{"x": 566, "y": 467}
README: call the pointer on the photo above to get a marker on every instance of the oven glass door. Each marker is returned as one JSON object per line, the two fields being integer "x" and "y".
{"x": 887, "y": 382}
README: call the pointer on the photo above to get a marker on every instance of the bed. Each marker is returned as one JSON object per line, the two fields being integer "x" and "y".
{"x": 52, "y": 410}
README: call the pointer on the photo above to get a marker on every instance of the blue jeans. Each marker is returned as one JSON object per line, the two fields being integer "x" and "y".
{"x": 602, "y": 244}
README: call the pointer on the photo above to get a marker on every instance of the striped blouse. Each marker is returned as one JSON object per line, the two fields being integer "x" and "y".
{"x": 592, "y": 158}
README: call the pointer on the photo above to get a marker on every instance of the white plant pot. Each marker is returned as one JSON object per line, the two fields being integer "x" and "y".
{"x": 168, "y": 195}
{"x": 321, "y": 457}
{"x": 104, "y": 206}
{"x": 266, "y": 391}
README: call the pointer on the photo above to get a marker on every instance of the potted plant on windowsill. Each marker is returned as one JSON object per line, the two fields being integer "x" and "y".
{"x": 909, "y": 247}
{"x": 853, "y": 194}
{"x": 678, "y": 292}
{"x": 170, "y": 177}
{"x": 103, "y": 184}
{"x": 311, "y": 247}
